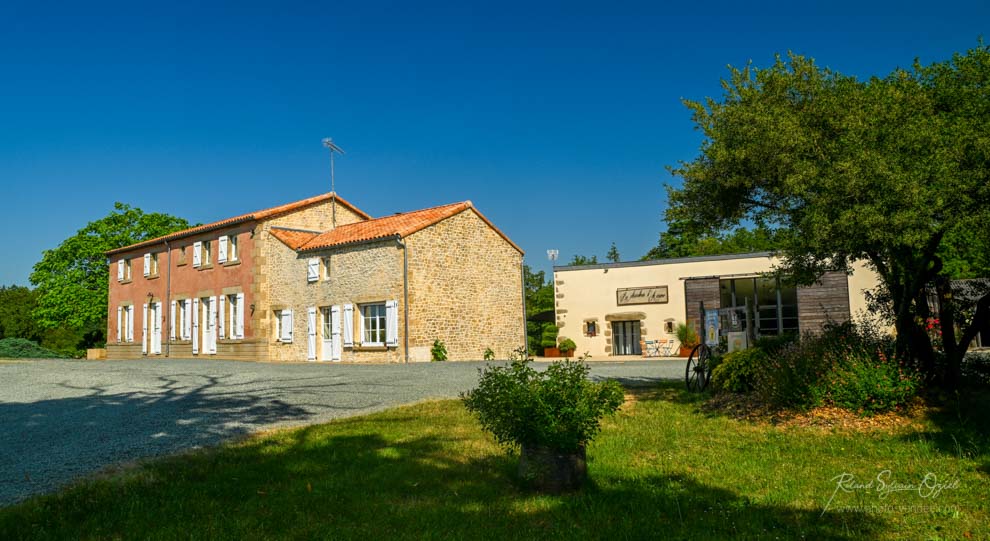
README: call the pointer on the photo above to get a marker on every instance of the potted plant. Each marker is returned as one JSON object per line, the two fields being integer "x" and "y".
{"x": 551, "y": 416}
{"x": 549, "y": 341}
{"x": 687, "y": 337}
{"x": 567, "y": 347}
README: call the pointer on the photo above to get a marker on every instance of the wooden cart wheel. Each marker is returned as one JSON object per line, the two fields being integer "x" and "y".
{"x": 697, "y": 372}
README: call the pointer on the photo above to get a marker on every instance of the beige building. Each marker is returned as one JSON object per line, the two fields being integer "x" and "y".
{"x": 320, "y": 280}
{"x": 610, "y": 309}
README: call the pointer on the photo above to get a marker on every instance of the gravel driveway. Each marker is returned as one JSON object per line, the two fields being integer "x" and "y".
{"x": 63, "y": 419}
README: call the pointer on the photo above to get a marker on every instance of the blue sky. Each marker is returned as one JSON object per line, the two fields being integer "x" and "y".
{"x": 556, "y": 119}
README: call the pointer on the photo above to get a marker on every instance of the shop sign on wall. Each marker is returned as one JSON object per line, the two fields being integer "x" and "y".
{"x": 641, "y": 295}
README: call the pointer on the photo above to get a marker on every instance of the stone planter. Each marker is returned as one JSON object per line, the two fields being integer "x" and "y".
{"x": 548, "y": 470}
{"x": 551, "y": 352}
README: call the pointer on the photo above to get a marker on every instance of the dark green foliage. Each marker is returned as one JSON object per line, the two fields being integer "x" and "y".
{"x": 681, "y": 240}
{"x": 736, "y": 372}
{"x": 439, "y": 351}
{"x": 20, "y": 348}
{"x": 613, "y": 254}
{"x": 686, "y": 335}
{"x": 16, "y": 319}
{"x": 976, "y": 369}
{"x": 567, "y": 345}
{"x": 558, "y": 408}
{"x": 489, "y": 354}
{"x": 539, "y": 298}
{"x": 72, "y": 279}
{"x": 549, "y": 338}
{"x": 849, "y": 366}
{"x": 890, "y": 171}
{"x": 583, "y": 260}
{"x": 772, "y": 344}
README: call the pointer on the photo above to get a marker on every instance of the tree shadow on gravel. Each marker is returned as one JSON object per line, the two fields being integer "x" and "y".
{"x": 47, "y": 443}
{"x": 310, "y": 484}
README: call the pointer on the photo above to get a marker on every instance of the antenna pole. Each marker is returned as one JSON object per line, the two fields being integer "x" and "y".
{"x": 329, "y": 144}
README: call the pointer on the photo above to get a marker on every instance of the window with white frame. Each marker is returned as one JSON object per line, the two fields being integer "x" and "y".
{"x": 236, "y": 316}
{"x": 153, "y": 271}
{"x": 182, "y": 316}
{"x": 126, "y": 323}
{"x": 283, "y": 325}
{"x": 123, "y": 270}
{"x": 207, "y": 252}
{"x": 373, "y": 324}
{"x": 325, "y": 265}
{"x": 232, "y": 248}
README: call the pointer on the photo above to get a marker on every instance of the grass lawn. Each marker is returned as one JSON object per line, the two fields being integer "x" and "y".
{"x": 660, "y": 469}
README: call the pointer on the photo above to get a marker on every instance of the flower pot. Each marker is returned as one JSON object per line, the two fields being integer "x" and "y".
{"x": 549, "y": 470}
{"x": 685, "y": 351}
{"x": 568, "y": 353}
{"x": 551, "y": 352}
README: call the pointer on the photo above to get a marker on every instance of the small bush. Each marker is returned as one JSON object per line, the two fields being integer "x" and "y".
{"x": 549, "y": 338}
{"x": 771, "y": 345}
{"x": 736, "y": 371}
{"x": 439, "y": 351}
{"x": 976, "y": 369}
{"x": 489, "y": 354}
{"x": 21, "y": 348}
{"x": 558, "y": 408}
{"x": 848, "y": 365}
{"x": 567, "y": 345}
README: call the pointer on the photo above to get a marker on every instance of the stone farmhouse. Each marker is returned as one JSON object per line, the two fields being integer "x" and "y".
{"x": 320, "y": 280}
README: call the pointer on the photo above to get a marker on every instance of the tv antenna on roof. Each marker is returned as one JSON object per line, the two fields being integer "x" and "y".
{"x": 332, "y": 147}
{"x": 552, "y": 255}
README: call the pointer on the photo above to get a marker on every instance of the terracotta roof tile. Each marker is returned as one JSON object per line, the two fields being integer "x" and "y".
{"x": 257, "y": 215}
{"x": 293, "y": 238}
{"x": 395, "y": 226}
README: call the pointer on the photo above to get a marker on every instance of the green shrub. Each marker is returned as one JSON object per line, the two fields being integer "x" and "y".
{"x": 771, "y": 345}
{"x": 848, "y": 365}
{"x": 21, "y": 348}
{"x": 489, "y": 354}
{"x": 736, "y": 371}
{"x": 439, "y": 351}
{"x": 976, "y": 369}
{"x": 567, "y": 345}
{"x": 558, "y": 408}
{"x": 549, "y": 339}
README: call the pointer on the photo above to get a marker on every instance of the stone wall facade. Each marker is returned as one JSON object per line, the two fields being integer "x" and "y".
{"x": 359, "y": 274}
{"x": 465, "y": 288}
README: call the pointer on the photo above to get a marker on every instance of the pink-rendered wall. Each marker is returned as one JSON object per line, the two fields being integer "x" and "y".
{"x": 186, "y": 280}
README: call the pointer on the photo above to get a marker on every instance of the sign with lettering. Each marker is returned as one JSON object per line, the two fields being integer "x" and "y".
{"x": 641, "y": 295}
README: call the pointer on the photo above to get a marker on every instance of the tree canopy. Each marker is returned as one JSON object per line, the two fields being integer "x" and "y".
{"x": 72, "y": 280}
{"x": 681, "y": 240}
{"x": 892, "y": 171}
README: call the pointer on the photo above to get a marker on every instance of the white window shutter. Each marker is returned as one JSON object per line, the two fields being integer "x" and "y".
{"x": 335, "y": 332}
{"x": 222, "y": 249}
{"x": 120, "y": 270}
{"x": 348, "y": 325}
{"x": 119, "y": 321}
{"x": 156, "y": 329}
{"x": 187, "y": 321}
{"x": 144, "y": 330}
{"x": 392, "y": 323}
{"x": 147, "y": 264}
{"x": 313, "y": 269}
{"x": 311, "y": 333}
{"x": 195, "y": 326}
{"x": 286, "y": 326}
{"x": 171, "y": 332}
{"x": 240, "y": 315}
{"x": 220, "y": 319}
{"x": 130, "y": 323}
{"x": 197, "y": 254}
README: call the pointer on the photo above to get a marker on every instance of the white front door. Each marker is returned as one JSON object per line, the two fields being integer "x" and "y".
{"x": 326, "y": 329}
{"x": 209, "y": 318}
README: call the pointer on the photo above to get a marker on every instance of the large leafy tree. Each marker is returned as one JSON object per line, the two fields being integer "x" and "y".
{"x": 682, "y": 240}
{"x": 16, "y": 320}
{"x": 71, "y": 280}
{"x": 539, "y": 298}
{"x": 892, "y": 171}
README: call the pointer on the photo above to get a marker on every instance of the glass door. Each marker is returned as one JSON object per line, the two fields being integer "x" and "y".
{"x": 625, "y": 338}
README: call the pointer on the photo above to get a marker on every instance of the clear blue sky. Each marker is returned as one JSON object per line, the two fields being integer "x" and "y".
{"x": 556, "y": 119}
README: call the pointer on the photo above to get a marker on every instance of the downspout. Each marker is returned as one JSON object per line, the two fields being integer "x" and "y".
{"x": 168, "y": 298}
{"x": 405, "y": 297}
{"x": 525, "y": 325}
